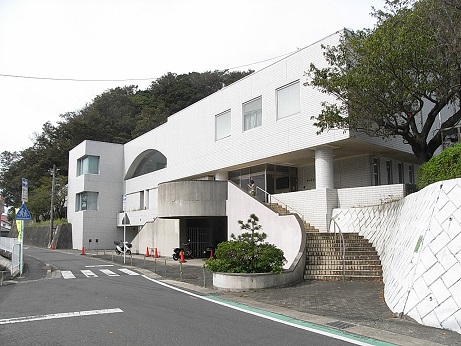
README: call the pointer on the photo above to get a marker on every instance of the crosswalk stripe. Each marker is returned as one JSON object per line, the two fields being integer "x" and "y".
{"x": 108, "y": 272}
{"x": 67, "y": 274}
{"x": 89, "y": 273}
{"x": 127, "y": 271}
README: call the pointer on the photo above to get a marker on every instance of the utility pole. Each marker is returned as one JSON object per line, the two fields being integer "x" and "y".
{"x": 53, "y": 173}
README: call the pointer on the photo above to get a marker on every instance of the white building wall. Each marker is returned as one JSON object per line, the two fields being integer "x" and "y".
{"x": 96, "y": 224}
{"x": 418, "y": 240}
{"x": 283, "y": 231}
{"x": 188, "y": 138}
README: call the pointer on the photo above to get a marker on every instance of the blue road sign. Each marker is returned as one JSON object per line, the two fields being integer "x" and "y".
{"x": 23, "y": 213}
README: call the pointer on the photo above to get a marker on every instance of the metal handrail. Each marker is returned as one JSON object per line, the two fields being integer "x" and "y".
{"x": 342, "y": 246}
{"x": 284, "y": 205}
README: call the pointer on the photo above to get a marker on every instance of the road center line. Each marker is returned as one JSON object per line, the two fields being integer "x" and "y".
{"x": 60, "y": 315}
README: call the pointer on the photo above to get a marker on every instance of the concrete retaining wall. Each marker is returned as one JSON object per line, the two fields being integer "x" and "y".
{"x": 419, "y": 242}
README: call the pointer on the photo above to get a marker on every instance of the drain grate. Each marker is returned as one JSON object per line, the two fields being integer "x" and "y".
{"x": 340, "y": 325}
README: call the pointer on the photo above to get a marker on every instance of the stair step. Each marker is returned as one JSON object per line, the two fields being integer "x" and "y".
{"x": 347, "y": 261}
{"x": 347, "y": 272}
{"x": 340, "y": 278}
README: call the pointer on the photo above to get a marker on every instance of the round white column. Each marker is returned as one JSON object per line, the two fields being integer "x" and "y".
{"x": 221, "y": 175}
{"x": 324, "y": 168}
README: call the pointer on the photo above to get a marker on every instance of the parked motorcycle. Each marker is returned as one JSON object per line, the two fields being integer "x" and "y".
{"x": 122, "y": 247}
{"x": 187, "y": 251}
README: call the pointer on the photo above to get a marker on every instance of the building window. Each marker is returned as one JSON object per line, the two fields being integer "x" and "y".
{"x": 288, "y": 100}
{"x": 88, "y": 165}
{"x": 390, "y": 178}
{"x": 252, "y": 114}
{"x": 376, "y": 175}
{"x": 400, "y": 171}
{"x": 86, "y": 201}
{"x": 411, "y": 174}
{"x": 223, "y": 125}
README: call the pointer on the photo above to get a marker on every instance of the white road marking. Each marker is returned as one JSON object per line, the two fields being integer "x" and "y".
{"x": 67, "y": 274}
{"x": 61, "y": 315}
{"x": 100, "y": 265}
{"x": 109, "y": 272}
{"x": 89, "y": 274}
{"x": 129, "y": 272}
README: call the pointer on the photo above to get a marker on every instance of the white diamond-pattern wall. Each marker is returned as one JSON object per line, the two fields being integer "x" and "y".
{"x": 418, "y": 239}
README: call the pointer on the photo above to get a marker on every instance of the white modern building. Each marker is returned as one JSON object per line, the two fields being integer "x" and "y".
{"x": 187, "y": 179}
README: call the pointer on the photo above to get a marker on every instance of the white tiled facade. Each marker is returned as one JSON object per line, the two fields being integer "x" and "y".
{"x": 418, "y": 239}
{"x": 188, "y": 142}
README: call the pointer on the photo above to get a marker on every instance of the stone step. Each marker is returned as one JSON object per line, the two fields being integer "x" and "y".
{"x": 338, "y": 245}
{"x": 339, "y": 261}
{"x": 348, "y": 257}
{"x": 336, "y": 252}
{"x": 377, "y": 278}
{"x": 362, "y": 273}
{"x": 322, "y": 268}
{"x": 334, "y": 240}
{"x": 332, "y": 235}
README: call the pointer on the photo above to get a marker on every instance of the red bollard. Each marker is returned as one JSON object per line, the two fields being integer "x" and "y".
{"x": 155, "y": 253}
{"x": 181, "y": 257}
{"x": 147, "y": 252}
{"x": 83, "y": 251}
{"x": 211, "y": 253}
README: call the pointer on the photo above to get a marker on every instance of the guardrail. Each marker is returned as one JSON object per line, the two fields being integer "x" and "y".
{"x": 342, "y": 245}
{"x": 13, "y": 246}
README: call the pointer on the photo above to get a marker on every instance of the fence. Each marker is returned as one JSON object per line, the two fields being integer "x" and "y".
{"x": 12, "y": 246}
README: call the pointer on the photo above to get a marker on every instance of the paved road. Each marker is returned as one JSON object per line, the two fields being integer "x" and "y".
{"x": 354, "y": 307}
{"x": 104, "y": 303}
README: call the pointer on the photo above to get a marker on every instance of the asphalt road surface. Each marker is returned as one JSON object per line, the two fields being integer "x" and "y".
{"x": 93, "y": 302}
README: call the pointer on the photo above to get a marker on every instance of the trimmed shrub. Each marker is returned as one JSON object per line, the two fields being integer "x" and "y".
{"x": 247, "y": 253}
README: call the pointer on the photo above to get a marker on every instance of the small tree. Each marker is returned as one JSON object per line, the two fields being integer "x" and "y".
{"x": 445, "y": 166}
{"x": 247, "y": 253}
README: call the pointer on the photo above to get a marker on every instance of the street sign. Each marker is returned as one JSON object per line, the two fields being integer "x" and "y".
{"x": 23, "y": 213}
{"x": 124, "y": 202}
{"x": 25, "y": 190}
{"x": 126, "y": 220}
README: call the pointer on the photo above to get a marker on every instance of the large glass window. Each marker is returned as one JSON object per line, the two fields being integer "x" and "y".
{"x": 88, "y": 165}
{"x": 86, "y": 200}
{"x": 390, "y": 178}
{"x": 288, "y": 102}
{"x": 411, "y": 174}
{"x": 252, "y": 114}
{"x": 376, "y": 171}
{"x": 400, "y": 170}
{"x": 223, "y": 125}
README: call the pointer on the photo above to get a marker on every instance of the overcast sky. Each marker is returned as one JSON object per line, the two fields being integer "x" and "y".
{"x": 48, "y": 40}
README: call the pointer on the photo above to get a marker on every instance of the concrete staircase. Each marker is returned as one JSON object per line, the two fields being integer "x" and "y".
{"x": 324, "y": 259}
{"x": 283, "y": 211}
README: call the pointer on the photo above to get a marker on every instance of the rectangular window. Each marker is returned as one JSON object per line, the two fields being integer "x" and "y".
{"x": 86, "y": 201}
{"x": 390, "y": 178}
{"x": 288, "y": 100}
{"x": 252, "y": 114}
{"x": 88, "y": 165}
{"x": 411, "y": 174}
{"x": 376, "y": 175}
{"x": 223, "y": 125}
{"x": 400, "y": 171}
